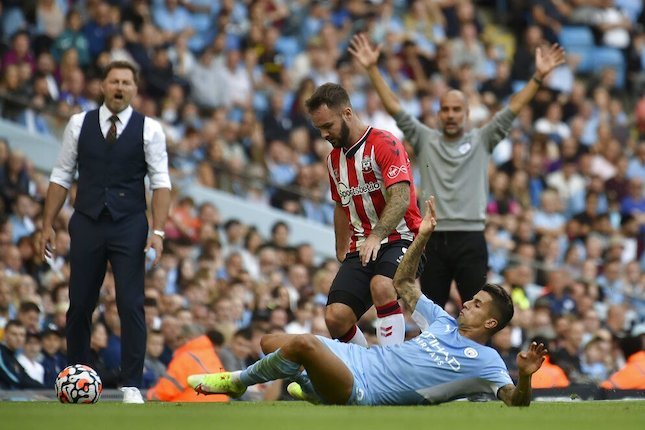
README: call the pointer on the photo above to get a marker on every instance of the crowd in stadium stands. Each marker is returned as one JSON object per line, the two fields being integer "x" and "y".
{"x": 228, "y": 80}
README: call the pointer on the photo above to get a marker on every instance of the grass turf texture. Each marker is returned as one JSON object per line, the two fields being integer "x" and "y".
{"x": 620, "y": 415}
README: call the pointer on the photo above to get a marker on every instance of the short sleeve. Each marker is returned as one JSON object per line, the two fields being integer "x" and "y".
{"x": 392, "y": 159}
{"x": 332, "y": 182}
{"x": 496, "y": 373}
{"x": 426, "y": 312}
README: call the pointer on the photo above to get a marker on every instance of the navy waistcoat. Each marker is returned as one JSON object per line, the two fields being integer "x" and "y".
{"x": 110, "y": 176}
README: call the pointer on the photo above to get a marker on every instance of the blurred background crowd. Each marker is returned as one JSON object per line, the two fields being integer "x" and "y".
{"x": 228, "y": 80}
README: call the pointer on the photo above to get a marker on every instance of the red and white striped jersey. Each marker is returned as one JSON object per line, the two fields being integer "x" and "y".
{"x": 359, "y": 177}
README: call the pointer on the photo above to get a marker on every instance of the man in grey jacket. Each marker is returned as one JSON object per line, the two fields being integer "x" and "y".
{"x": 454, "y": 165}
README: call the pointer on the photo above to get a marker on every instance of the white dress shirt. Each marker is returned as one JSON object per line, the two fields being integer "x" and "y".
{"x": 154, "y": 147}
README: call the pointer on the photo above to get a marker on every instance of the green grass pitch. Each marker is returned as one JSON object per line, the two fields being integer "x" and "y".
{"x": 619, "y": 415}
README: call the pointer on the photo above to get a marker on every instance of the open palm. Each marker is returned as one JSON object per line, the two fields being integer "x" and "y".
{"x": 429, "y": 221}
{"x": 547, "y": 59}
{"x": 528, "y": 362}
{"x": 361, "y": 48}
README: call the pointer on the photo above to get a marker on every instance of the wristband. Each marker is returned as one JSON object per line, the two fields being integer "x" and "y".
{"x": 160, "y": 233}
{"x": 537, "y": 81}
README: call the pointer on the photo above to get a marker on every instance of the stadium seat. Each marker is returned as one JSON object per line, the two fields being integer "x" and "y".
{"x": 604, "y": 57}
{"x": 289, "y": 47}
{"x": 578, "y": 41}
{"x": 578, "y": 36}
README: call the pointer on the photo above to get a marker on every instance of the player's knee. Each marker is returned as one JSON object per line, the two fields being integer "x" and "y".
{"x": 268, "y": 343}
{"x": 382, "y": 290}
{"x": 338, "y": 320}
{"x": 304, "y": 344}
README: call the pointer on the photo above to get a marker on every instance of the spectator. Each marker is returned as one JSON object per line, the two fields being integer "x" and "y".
{"x": 28, "y": 358}
{"x": 15, "y": 179}
{"x": 596, "y": 360}
{"x": 153, "y": 368}
{"x": 29, "y": 317}
{"x": 173, "y": 19}
{"x": 568, "y": 354}
{"x": 72, "y": 38}
{"x": 195, "y": 353}
{"x": 52, "y": 360}
{"x": 629, "y": 377}
{"x": 21, "y": 220}
{"x": 636, "y": 167}
{"x": 110, "y": 376}
{"x": 235, "y": 354}
{"x": 20, "y": 51}
{"x": 50, "y": 21}
{"x": 98, "y": 29}
{"x": 502, "y": 343}
{"x": 12, "y": 374}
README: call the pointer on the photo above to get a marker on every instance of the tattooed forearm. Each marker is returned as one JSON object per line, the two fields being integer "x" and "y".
{"x": 404, "y": 279}
{"x": 397, "y": 203}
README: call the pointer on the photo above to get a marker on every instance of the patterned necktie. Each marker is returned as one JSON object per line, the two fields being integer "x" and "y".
{"x": 111, "y": 135}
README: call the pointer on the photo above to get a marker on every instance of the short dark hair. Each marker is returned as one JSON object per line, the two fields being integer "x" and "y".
{"x": 502, "y": 305}
{"x": 28, "y": 307}
{"x": 332, "y": 95}
{"x": 216, "y": 337}
{"x": 279, "y": 224}
{"x": 121, "y": 64}
{"x": 13, "y": 323}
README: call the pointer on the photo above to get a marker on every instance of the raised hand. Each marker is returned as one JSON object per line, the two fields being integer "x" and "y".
{"x": 429, "y": 221}
{"x": 361, "y": 48}
{"x": 547, "y": 59}
{"x": 528, "y": 362}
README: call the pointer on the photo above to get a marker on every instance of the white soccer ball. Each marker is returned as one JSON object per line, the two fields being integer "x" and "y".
{"x": 78, "y": 383}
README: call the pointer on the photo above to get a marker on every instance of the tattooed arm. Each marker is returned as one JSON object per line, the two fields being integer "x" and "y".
{"x": 398, "y": 200}
{"x": 404, "y": 279}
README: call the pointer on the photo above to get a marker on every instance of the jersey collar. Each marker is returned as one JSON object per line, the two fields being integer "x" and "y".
{"x": 349, "y": 152}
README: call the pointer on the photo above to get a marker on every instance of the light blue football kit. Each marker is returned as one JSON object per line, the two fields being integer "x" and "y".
{"x": 437, "y": 366}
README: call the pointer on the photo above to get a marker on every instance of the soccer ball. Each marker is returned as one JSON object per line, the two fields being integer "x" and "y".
{"x": 78, "y": 384}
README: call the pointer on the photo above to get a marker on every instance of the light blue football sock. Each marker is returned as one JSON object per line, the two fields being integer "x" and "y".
{"x": 271, "y": 367}
{"x": 307, "y": 387}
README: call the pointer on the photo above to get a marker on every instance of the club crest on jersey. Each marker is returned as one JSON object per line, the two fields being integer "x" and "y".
{"x": 394, "y": 171}
{"x": 471, "y": 352}
{"x": 464, "y": 148}
{"x": 366, "y": 164}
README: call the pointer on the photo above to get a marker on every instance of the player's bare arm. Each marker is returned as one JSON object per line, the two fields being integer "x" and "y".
{"x": 56, "y": 195}
{"x": 546, "y": 59}
{"x": 398, "y": 200}
{"x": 367, "y": 56}
{"x": 404, "y": 279}
{"x": 342, "y": 232}
{"x": 528, "y": 362}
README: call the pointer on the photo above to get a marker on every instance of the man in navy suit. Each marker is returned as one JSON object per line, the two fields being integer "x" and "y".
{"x": 112, "y": 148}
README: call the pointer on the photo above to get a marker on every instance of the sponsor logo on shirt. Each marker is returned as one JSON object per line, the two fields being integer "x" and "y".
{"x": 346, "y": 193}
{"x": 471, "y": 352}
{"x": 394, "y": 171}
{"x": 430, "y": 344}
